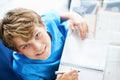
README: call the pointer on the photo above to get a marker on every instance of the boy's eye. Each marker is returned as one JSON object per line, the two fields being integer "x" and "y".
{"x": 25, "y": 46}
{"x": 37, "y": 35}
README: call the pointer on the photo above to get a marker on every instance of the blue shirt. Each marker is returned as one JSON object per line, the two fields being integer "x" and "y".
{"x": 44, "y": 69}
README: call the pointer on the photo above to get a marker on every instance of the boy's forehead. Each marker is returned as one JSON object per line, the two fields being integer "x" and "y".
{"x": 36, "y": 29}
{"x": 18, "y": 41}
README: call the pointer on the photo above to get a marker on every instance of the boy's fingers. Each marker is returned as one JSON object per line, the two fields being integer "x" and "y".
{"x": 73, "y": 28}
{"x": 75, "y": 75}
{"x": 72, "y": 72}
{"x": 82, "y": 31}
{"x": 83, "y": 28}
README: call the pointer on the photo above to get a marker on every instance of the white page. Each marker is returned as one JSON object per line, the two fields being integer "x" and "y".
{"x": 88, "y": 55}
{"x": 89, "y": 52}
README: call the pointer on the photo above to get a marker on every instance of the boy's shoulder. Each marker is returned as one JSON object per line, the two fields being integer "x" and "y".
{"x": 50, "y": 14}
{"x": 50, "y": 17}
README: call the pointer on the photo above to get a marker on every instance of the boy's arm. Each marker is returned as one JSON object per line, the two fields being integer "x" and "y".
{"x": 76, "y": 21}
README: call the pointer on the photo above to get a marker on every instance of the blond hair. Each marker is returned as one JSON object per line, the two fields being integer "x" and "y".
{"x": 18, "y": 23}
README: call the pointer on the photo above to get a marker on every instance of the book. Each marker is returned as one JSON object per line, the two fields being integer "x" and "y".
{"x": 112, "y": 68}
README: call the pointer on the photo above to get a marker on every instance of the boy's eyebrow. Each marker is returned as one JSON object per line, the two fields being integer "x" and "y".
{"x": 35, "y": 32}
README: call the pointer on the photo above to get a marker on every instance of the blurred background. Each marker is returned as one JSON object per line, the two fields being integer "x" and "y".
{"x": 80, "y": 6}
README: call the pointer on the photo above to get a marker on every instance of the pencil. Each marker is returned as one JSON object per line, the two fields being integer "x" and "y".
{"x": 62, "y": 72}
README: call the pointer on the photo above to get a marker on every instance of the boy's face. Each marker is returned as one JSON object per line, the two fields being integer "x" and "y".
{"x": 38, "y": 47}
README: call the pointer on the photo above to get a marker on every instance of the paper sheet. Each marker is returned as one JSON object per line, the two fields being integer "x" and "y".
{"x": 88, "y": 55}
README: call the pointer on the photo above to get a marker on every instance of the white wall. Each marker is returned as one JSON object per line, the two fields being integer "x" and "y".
{"x": 39, "y": 6}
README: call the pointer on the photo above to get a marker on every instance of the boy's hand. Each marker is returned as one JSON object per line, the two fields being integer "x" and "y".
{"x": 77, "y": 22}
{"x": 71, "y": 75}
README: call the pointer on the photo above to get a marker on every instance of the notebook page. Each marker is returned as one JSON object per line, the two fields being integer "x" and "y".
{"x": 89, "y": 52}
{"x": 88, "y": 55}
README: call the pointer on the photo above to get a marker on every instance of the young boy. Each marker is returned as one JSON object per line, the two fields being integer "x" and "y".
{"x": 39, "y": 41}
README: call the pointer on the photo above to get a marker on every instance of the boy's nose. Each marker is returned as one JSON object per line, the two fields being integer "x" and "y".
{"x": 37, "y": 45}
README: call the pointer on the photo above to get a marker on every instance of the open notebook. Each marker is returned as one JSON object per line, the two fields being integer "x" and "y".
{"x": 89, "y": 56}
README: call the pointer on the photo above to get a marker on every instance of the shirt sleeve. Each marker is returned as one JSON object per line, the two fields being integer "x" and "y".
{"x": 50, "y": 17}
{"x": 54, "y": 17}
